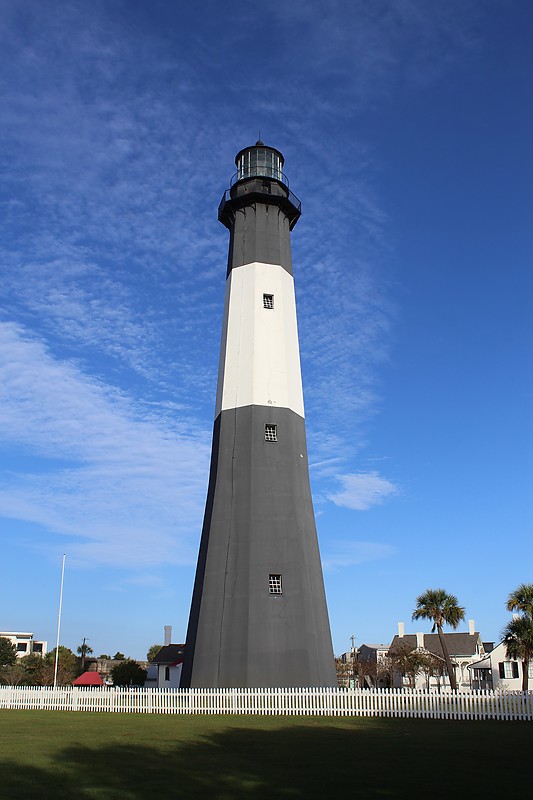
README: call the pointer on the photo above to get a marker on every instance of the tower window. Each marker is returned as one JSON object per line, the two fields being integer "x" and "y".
{"x": 268, "y": 301}
{"x": 271, "y": 433}
{"x": 274, "y": 584}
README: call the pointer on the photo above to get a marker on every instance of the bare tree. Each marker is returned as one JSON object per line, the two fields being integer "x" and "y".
{"x": 407, "y": 661}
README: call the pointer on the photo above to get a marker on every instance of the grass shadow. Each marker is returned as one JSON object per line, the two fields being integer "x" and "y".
{"x": 409, "y": 760}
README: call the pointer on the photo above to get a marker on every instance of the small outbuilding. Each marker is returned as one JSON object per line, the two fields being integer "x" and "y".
{"x": 88, "y": 679}
{"x": 169, "y": 663}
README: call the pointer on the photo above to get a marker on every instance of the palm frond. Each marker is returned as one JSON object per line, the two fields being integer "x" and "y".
{"x": 521, "y": 599}
{"x": 440, "y": 607}
{"x": 518, "y": 639}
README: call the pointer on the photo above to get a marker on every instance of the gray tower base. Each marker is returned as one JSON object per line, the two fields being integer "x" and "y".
{"x": 259, "y": 521}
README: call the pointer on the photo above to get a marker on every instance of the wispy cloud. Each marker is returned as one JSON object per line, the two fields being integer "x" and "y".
{"x": 113, "y": 153}
{"x": 112, "y": 157}
{"x": 369, "y": 49}
{"x": 348, "y": 554}
{"x": 103, "y": 245}
{"x": 359, "y": 55}
{"x": 362, "y": 491}
{"x": 127, "y": 488}
{"x": 146, "y": 580}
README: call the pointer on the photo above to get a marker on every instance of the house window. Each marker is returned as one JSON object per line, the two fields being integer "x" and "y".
{"x": 268, "y": 301}
{"x": 22, "y": 647}
{"x": 271, "y": 433}
{"x": 37, "y": 647}
{"x": 167, "y": 673}
{"x": 508, "y": 669}
{"x": 274, "y": 584}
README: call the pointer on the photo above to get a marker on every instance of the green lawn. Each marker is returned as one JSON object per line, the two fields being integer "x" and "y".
{"x": 64, "y": 755}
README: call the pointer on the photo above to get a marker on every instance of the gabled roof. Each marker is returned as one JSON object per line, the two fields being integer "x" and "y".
{"x": 170, "y": 654}
{"x": 483, "y": 664}
{"x": 458, "y": 644}
{"x": 491, "y": 658}
{"x": 88, "y": 679}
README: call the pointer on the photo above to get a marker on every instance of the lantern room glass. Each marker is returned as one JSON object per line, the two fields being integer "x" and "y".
{"x": 259, "y": 161}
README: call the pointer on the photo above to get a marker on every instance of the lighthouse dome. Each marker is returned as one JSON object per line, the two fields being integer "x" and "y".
{"x": 259, "y": 160}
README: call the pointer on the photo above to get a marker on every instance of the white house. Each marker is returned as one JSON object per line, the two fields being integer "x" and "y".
{"x": 497, "y": 671}
{"x": 169, "y": 662}
{"x": 464, "y": 649}
{"x": 25, "y": 643}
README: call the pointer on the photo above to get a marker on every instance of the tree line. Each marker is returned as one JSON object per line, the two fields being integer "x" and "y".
{"x": 35, "y": 669}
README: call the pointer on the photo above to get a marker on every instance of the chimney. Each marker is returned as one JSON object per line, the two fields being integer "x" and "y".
{"x": 420, "y": 640}
{"x": 168, "y": 634}
{"x": 471, "y": 627}
{"x": 401, "y": 630}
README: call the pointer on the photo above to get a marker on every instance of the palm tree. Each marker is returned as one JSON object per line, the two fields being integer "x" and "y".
{"x": 518, "y": 634}
{"x": 153, "y": 651}
{"x": 518, "y": 641}
{"x": 522, "y": 600}
{"x": 442, "y": 609}
{"x": 84, "y": 650}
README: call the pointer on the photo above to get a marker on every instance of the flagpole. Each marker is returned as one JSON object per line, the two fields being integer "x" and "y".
{"x": 59, "y": 620}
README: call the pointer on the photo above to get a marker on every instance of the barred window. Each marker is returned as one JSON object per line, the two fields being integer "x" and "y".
{"x": 274, "y": 584}
{"x": 271, "y": 433}
{"x": 268, "y": 301}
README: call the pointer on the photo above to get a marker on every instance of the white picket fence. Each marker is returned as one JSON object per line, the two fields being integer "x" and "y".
{"x": 480, "y": 704}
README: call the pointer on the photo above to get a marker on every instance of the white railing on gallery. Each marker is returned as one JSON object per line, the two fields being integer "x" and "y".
{"x": 478, "y": 704}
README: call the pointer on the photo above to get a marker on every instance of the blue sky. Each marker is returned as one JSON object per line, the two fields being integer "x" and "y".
{"x": 406, "y": 128}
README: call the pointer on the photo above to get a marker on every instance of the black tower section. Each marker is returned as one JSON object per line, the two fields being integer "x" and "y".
{"x": 258, "y": 615}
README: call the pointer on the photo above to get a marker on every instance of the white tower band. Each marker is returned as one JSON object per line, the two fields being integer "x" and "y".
{"x": 258, "y": 614}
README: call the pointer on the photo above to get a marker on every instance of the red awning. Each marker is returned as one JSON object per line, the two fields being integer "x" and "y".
{"x": 88, "y": 679}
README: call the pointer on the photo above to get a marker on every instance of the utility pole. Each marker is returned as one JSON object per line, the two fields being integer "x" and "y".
{"x": 352, "y": 637}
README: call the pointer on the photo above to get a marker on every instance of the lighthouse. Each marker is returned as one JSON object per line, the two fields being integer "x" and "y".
{"x": 258, "y": 614}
